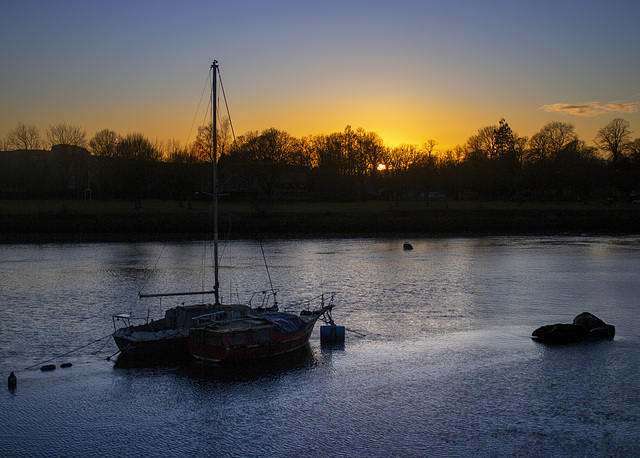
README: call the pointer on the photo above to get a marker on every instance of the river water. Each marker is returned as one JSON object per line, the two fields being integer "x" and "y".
{"x": 443, "y": 363}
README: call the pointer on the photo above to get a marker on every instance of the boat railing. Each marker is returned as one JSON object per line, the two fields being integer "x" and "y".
{"x": 127, "y": 320}
{"x": 268, "y": 299}
{"x": 208, "y": 318}
{"x": 310, "y": 305}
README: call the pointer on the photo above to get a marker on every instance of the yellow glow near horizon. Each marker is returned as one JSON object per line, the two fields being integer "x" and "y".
{"x": 381, "y": 167}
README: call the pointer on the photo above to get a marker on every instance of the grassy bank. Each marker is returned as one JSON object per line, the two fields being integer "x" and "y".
{"x": 57, "y": 221}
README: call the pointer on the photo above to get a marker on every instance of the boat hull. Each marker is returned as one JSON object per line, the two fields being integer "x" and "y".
{"x": 164, "y": 341}
{"x": 161, "y": 348}
{"x": 226, "y": 347}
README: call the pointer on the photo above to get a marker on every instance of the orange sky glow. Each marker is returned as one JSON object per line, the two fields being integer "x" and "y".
{"x": 409, "y": 71}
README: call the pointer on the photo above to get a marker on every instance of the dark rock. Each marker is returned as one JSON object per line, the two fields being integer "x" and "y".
{"x": 560, "y": 333}
{"x": 606, "y": 332}
{"x": 584, "y": 327}
{"x": 65, "y": 365}
{"x": 48, "y": 367}
{"x": 589, "y": 321}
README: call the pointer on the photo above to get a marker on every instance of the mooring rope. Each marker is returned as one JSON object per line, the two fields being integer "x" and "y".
{"x": 70, "y": 351}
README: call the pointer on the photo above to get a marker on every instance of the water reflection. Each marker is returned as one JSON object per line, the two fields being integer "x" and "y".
{"x": 302, "y": 359}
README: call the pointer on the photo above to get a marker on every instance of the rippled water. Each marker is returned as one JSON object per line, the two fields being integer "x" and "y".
{"x": 446, "y": 366}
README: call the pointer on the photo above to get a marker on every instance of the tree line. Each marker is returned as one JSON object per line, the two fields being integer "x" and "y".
{"x": 494, "y": 164}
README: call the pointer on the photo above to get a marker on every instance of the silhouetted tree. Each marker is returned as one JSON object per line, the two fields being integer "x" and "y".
{"x": 550, "y": 140}
{"x": 450, "y": 169}
{"x": 304, "y": 154}
{"x": 177, "y": 153}
{"x": 265, "y": 156}
{"x": 371, "y": 150}
{"x": 138, "y": 156}
{"x": 184, "y": 173}
{"x": 66, "y": 134}
{"x": 504, "y": 141}
{"x": 24, "y": 136}
{"x": 202, "y": 146}
{"x": 482, "y": 145}
{"x": 634, "y": 150}
{"x": 544, "y": 160}
{"x": 104, "y": 143}
{"x": 614, "y": 138}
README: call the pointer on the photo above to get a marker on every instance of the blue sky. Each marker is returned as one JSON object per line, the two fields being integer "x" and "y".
{"x": 409, "y": 70}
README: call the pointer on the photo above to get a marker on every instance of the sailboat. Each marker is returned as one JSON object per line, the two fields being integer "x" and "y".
{"x": 263, "y": 335}
{"x": 217, "y": 332}
{"x": 165, "y": 339}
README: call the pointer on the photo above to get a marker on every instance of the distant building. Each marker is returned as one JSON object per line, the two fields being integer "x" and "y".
{"x": 62, "y": 172}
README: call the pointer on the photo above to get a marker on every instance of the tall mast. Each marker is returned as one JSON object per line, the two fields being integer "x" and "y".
{"x": 214, "y": 155}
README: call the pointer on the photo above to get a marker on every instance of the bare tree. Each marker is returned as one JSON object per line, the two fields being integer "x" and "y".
{"x": 138, "y": 155}
{"x": 402, "y": 157}
{"x": 175, "y": 152}
{"x": 429, "y": 147}
{"x": 66, "y": 134}
{"x": 551, "y": 139}
{"x": 202, "y": 146}
{"x": 104, "y": 143}
{"x": 482, "y": 145}
{"x": 615, "y": 138}
{"x": 26, "y": 137}
{"x": 634, "y": 149}
{"x": 137, "y": 147}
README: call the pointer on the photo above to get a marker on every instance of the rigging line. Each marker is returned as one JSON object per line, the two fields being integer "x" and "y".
{"x": 70, "y": 351}
{"x": 266, "y": 265}
{"x": 206, "y": 86}
{"x": 226, "y": 105}
{"x": 186, "y": 145}
{"x": 155, "y": 267}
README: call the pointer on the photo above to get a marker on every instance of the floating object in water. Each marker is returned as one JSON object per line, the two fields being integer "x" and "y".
{"x": 48, "y": 367}
{"x": 584, "y": 327}
{"x": 65, "y": 365}
{"x": 12, "y": 382}
{"x": 332, "y": 335}
{"x": 407, "y": 246}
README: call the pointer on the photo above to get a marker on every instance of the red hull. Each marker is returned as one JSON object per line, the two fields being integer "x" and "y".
{"x": 245, "y": 342}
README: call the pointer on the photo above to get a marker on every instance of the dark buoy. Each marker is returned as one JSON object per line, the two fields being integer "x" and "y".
{"x": 12, "y": 382}
{"x": 407, "y": 246}
{"x": 65, "y": 365}
{"x": 332, "y": 335}
{"x": 48, "y": 367}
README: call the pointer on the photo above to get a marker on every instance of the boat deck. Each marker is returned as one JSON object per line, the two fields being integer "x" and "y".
{"x": 242, "y": 324}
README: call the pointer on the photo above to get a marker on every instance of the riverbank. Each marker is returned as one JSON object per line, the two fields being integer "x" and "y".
{"x": 90, "y": 221}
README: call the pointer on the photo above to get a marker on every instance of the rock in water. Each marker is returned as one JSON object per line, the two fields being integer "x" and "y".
{"x": 597, "y": 328}
{"x": 585, "y": 326}
{"x": 560, "y": 333}
{"x": 589, "y": 321}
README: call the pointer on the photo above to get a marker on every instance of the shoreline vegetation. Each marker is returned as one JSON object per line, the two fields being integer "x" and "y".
{"x": 77, "y": 221}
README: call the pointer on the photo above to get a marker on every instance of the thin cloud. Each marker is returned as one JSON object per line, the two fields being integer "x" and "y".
{"x": 591, "y": 108}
